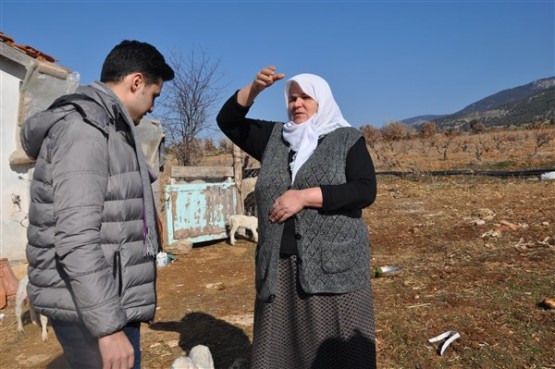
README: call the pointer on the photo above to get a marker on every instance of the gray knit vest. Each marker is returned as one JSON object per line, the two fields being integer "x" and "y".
{"x": 333, "y": 249}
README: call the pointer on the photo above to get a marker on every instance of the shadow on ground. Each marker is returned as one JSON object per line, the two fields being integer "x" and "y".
{"x": 225, "y": 341}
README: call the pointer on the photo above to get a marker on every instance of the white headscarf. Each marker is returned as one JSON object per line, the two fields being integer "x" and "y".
{"x": 303, "y": 137}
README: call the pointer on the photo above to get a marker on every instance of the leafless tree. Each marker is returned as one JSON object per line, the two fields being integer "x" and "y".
{"x": 387, "y": 153}
{"x": 188, "y": 102}
{"x": 371, "y": 134}
{"x": 226, "y": 146}
{"x": 466, "y": 146}
{"x": 209, "y": 147}
{"x": 499, "y": 141}
{"x": 406, "y": 147}
{"x": 444, "y": 144}
{"x": 481, "y": 147}
{"x": 542, "y": 137}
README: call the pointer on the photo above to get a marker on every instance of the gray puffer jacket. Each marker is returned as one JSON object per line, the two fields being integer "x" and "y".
{"x": 86, "y": 251}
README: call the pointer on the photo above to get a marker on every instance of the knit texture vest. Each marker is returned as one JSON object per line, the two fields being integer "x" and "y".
{"x": 333, "y": 249}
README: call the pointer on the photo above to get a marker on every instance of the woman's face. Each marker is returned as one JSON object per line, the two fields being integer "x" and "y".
{"x": 301, "y": 107}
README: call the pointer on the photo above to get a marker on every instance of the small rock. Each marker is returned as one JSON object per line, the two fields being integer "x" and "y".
{"x": 493, "y": 233}
{"x": 183, "y": 362}
{"x": 216, "y": 286}
{"x": 201, "y": 357}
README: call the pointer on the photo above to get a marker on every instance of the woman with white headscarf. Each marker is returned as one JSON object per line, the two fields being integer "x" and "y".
{"x": 314, "y": 300}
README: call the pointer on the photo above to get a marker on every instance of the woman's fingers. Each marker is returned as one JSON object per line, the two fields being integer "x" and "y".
{"x": 279, "y": 215}
{"x": 267, "y": 76}
{"x": 285, "y": 206}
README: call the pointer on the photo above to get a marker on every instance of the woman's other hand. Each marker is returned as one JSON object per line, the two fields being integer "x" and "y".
{"x": 293, "y": 201}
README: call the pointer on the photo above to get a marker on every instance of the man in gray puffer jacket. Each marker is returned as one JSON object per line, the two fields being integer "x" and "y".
{"x": 92, "y": 236}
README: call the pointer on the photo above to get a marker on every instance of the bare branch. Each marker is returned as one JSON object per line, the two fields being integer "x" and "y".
{"x": 188, "y": 102}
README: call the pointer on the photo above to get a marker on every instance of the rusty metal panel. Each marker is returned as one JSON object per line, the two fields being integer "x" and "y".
{"x": 198, "y": 212}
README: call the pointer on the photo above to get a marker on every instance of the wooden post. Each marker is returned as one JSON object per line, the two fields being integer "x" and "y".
{"x": 238, "y": 177}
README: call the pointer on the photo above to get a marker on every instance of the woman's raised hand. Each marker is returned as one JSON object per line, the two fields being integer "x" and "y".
{"x": 266, "y": 77}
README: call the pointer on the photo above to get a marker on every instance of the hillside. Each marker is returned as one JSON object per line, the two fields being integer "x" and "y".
{"x": 421, "y": 119}
{"x": 527, "y": 104}
{"x": 509, "y": 96}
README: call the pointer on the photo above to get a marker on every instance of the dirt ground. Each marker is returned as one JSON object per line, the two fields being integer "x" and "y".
{"x": 477, "y": 256}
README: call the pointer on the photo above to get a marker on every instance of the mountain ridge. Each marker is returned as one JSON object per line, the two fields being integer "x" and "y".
{"x": 531, "y": 103}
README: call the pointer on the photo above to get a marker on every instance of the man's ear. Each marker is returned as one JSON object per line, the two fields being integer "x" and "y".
{"x": 136, "y": 80}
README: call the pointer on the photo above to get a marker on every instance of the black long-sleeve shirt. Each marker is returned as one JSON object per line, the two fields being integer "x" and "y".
{"x": 252, "y": 136}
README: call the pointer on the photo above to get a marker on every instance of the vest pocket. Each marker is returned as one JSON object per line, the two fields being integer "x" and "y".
{"x": 338, "y": 257}
{"x": 117, "y": 271}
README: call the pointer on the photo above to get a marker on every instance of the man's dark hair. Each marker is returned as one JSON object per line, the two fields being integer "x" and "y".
{"x": 134, "y": 56}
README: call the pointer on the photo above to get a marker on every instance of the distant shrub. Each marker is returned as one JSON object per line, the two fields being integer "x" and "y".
{"x": 395, "y": 131}
{"x": 477, "y": 127}
{"x": 428, "y": 129}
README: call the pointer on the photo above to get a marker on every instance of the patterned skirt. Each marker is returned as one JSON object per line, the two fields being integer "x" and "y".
{"x": 302, "y": 331}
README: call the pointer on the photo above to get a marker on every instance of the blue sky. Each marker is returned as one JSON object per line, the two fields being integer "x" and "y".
{"x": 385, "y": 60}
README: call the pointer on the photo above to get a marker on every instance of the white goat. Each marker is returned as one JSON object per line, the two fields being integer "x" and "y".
{"x": 20, "y": 298}
{"x": 242, "y": 221}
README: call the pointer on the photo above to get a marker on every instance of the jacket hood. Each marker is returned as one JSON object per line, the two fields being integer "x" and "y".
{"x": 98, "y": 111}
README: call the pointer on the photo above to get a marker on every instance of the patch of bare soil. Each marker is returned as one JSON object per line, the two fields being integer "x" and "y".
{"x": 483, "y": 280}
{"x": 477, "y": 256}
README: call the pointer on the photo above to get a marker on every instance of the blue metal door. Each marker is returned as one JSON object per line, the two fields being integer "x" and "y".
{"x": 198, "y": 212}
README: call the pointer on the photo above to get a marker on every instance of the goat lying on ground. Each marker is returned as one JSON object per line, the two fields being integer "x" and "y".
{"x": 242, "y": 221}
{"x": 20, "y": 298}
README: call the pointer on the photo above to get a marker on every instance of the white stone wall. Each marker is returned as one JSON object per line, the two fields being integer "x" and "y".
{"x": 15, "y": 180}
